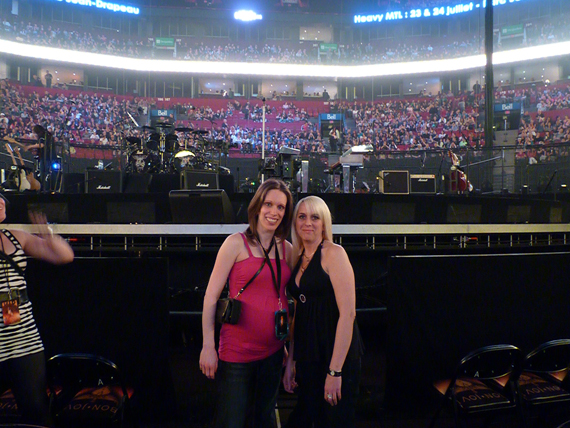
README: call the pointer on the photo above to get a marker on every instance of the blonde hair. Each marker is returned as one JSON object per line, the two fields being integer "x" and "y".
{"x": 314, "y": 205}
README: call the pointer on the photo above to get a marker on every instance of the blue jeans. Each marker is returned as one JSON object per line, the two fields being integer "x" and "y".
{"x": 248, "y": 391}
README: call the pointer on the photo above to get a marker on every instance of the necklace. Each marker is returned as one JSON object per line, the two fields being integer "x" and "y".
{"x": 304, "y": 265}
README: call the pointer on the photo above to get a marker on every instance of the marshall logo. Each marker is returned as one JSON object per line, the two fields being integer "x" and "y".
{"x": 203, "y": 185}
{"x": 101, "y": 187}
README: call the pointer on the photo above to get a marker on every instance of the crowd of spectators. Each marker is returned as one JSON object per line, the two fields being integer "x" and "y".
{"x": 443, "y": 121}
{"x": 391, "y": 50}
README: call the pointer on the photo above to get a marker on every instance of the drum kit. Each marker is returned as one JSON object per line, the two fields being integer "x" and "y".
{"x": 159, "y": 150}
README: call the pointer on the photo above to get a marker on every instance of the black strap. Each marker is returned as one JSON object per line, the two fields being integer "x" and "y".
{"x": 276, "y": 281}
{"x": 256, "y": 273}
{"x": 9, "y": 259}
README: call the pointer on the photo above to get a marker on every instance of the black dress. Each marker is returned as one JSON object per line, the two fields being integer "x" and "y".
{"x": 316, "y": 318}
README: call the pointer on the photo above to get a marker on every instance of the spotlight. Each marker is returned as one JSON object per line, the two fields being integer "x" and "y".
{"x": 55, "y": 165}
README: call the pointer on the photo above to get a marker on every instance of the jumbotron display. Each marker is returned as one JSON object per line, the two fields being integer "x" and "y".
{"x": 104, "y": 5}
{"x": 449, "y": 10}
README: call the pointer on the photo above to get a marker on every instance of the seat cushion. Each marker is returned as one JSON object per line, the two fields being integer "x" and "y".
{"x": 101, "y": 403}
{"x": 472, "y": 395}
{"x": 8, "y": 406}
{"x": 534, "y": 388}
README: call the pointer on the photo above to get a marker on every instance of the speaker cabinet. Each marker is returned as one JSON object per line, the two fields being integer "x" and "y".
{"x": 394, "y": 182}
{"x": 137, "y": 183}
{"x": 200, "y": 207}
{"x": 422, "y": 183}
{"x": 100, "y": 181}
{"x": 199, "y": 180}
{"x": 73, "y": 182}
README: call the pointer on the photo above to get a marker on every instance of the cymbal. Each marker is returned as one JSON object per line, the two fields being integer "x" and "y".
{"x": 183, "y": 129}
{"x": 184, "y": 153}
{"x": 150, "y": 128}
{"x": 199, "y": 131}
{"x": 163, "y": 125}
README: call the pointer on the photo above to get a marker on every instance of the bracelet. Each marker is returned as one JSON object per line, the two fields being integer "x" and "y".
{"x": 332, "y": 373}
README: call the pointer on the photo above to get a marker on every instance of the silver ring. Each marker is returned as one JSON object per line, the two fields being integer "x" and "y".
{"x": 329, "y": 396}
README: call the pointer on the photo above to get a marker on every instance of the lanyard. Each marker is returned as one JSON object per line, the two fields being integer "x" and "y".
{"x": 276, "y": 281}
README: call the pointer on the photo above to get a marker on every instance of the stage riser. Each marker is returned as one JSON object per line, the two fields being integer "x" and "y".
{"x": 154, "y": 208}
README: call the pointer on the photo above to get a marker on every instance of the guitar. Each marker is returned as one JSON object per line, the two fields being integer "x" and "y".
{"x": 26, "y": 179}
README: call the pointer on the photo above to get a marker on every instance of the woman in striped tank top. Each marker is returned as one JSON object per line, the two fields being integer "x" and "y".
{"x": 22, "y": 360}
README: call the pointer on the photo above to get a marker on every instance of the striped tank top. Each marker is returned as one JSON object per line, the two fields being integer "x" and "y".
{"x": 17, "y": 340}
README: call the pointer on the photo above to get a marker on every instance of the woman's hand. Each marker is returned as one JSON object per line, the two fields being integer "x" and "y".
{"x": 209, "y": 362}
{"x": 40, "y": 220}
{"x": 289, "y": 377}
{"x": 332, "y": 390}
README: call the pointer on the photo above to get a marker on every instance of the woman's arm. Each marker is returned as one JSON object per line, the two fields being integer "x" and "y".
{"x": 46, "y": 245}
{"x": 225, "y": 260}
{"x": 337, "y": 265}
{"x": 289, "y": 382}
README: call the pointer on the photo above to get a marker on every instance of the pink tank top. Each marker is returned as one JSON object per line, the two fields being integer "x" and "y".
{"x": 253, "y": 337}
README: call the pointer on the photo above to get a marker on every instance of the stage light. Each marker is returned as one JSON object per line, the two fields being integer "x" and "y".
{"x": 55, "y": 166}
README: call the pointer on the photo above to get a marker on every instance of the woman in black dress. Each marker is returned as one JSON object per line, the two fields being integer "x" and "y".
{"x": 324, "y": 355}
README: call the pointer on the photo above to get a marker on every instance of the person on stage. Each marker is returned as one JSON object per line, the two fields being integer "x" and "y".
{"x": 22, "y": 360}
{"x": 248, "y": 364}
{"x": 324, "y": 355}
{"x": 45, "y": 154}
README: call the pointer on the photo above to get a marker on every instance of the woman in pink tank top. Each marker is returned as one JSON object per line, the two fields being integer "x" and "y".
{"x": 248, "y": 363}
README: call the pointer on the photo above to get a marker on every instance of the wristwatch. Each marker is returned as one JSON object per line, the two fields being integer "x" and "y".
{"x": 334, "y": 374}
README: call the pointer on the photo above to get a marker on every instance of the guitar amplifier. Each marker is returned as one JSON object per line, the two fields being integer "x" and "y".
{"x": 101, "y": 181}
{"x": 422, "y": 183}
{"x": 394, "y": 182}
{"x": 199, "y": 180}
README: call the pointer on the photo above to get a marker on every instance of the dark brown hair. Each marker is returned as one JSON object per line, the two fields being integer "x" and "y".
{"x": 254, "y": 208}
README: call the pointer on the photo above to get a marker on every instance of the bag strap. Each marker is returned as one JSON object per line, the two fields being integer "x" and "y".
{"x": 255, "y": 275}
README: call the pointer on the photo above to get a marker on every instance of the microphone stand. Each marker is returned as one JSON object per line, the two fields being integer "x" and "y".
{"x": 548, "y": 184}
{"x": 439, "y": 174}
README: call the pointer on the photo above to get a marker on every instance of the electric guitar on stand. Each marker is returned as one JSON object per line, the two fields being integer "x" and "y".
{"x": 25, "y": 179}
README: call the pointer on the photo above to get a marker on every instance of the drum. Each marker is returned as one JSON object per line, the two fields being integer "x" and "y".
{"x": 171, "y": 143}
{"x": 153, "y": 142}
{"x": 143, "y": 161}
{"x": 184, "y": 159}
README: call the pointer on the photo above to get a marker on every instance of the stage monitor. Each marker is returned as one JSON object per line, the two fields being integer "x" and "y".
{"x": 200, "y": 207}
{"x": 463, "y": 213}
{"x": 393, "y": 212}
{"x": 126, "y": 212}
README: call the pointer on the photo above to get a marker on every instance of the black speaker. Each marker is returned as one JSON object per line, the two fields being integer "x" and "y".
{"x": 101, "y": 181}
{"x": 73, "y": 182}
{"x": 128, "y": 212}
{"x": 200, "y": 207}
{"x": 137, "y": 183}
{"x": 199, "y": 180}
{"x": 394, "y": 182}
{"x": 164, "y": 183}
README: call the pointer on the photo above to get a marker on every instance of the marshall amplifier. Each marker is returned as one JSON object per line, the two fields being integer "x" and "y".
{"x": 422, "y": 183}
{"x": 394, "y": 182}
{"x": 100, "y": 181}
{"x": 199, "y": 180}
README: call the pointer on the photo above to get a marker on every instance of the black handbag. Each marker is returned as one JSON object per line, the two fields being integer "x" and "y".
{"x": 228, "y": 310}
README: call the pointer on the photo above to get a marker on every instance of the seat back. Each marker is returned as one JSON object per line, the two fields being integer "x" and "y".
{"x": 82, "y": 371}
{"x": 86, "y": 386}
{"x": 550, "y": 357}
{"x": 491, "y": 362}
